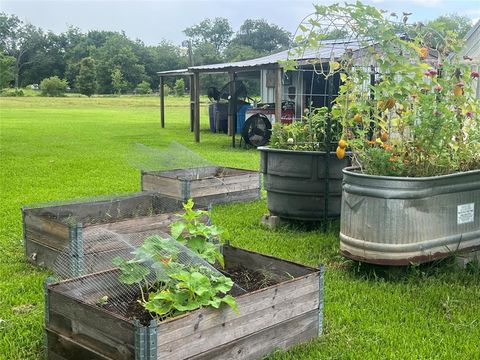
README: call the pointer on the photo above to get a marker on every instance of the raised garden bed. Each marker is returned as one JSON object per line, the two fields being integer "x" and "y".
{"x": 75, "y": 228}
{"x": 403, "y": 220}
{"x": 205, "y": 185}
{"x": 276, "y": 316}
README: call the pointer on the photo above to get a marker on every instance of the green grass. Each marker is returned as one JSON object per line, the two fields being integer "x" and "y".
{"x": 62, "y": 148}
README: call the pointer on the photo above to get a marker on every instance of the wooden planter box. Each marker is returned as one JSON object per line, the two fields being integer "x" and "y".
{"x": 206, "y": 185}
{"x": 71, "y": 227}
{"x": 278, "y": 316}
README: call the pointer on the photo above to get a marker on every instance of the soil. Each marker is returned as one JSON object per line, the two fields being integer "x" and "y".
{"x": 246, "y": 279}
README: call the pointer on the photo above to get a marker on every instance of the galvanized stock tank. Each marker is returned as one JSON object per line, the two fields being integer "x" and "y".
{"x": 399, "y": 220}
{"x": 295, "y": 183}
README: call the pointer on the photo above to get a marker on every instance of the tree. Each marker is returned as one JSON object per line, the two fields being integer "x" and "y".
{"x": 117, "y": 80}
{"x": 180, "y": 87}
{"x": 86, "y": 80}
{"x": 118, "y": 52}
{"x": 143, "y": 88}
{"x": 21, "y": 41}
{"x": 53, "y": 86}
{"x": 446, "y": 25}
{"x": 262, "y": 37}
{"x": 216, "y": 32}
{"x": 6, "y": 70}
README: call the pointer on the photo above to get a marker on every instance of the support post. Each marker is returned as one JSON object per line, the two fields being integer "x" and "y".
{"x": 231, "y": 105}
{"x": 192, "y": 101}
{"x": 162, "y": 103}
{"x": 196, "y": 117}
{"x": 278, "y": 95}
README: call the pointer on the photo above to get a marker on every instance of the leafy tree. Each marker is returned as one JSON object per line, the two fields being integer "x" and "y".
{"x": 446, "y": 26}
{"x": 180, "y": 87}
{"x": 216, "y": 32}
{"x": 262, "y": 37}
{"x": 143, "y": 88}
{"x": 6, "y": 70}
{"x": 117, "y": 80}
{"x": 237, "y": 52}
{"x": 86, "y": 79}
{"x": 118, "y": 52}
{"x": 53, "y": 86}
{"x": 21, "y": 41}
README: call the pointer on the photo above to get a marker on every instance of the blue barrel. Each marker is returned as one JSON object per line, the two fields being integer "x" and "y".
{"x": 241, "y": 114}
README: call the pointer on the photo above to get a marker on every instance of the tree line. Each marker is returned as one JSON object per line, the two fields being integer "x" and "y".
{"x": 107, "y": 62}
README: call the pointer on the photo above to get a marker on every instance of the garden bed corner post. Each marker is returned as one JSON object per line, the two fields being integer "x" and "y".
{"x": 145, "y": 341}
{"x": 321, "y": 295}
{"x": 76, "y": 250}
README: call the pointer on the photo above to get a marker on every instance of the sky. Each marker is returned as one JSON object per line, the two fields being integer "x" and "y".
{"x": 154, "y": 20}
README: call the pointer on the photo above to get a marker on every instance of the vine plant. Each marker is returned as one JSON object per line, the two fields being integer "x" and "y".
{"x": 178, "y": 284}
{"x": 419, "y": 115}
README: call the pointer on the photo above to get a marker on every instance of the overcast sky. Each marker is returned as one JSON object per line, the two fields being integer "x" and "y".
{"x": 154, "y": 20}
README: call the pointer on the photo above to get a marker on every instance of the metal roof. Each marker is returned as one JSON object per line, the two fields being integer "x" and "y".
{"x": 179, "y": 72}
{"x": 331, "y": 49}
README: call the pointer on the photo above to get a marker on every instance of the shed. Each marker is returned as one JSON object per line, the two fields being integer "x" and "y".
{"x": 276, "y": 84}
{"x": 471, "y": 51}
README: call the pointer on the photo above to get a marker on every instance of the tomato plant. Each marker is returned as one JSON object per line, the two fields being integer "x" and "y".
{"x": 406, "y": 103}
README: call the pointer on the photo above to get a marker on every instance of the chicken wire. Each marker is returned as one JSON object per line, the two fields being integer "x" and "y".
{"x": 153, "y": 251}
{"x": 182, "y": 173}
{"x": 90, "y": 211}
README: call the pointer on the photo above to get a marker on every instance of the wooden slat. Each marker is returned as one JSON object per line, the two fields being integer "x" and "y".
{"x": 259, "y": 310}
{"x": 245, "y": 195}
{"x": 226, "y": 180}
{"x": 91, "y": 326}
{"x": 254, "y": 346}
{"x": 166, "y": 186}
{"x": 48, "y": 231}
{"x": 40, "y": 254}
{"x": 254, "y": 261}
{"x": 64, "y": 348}
{"x": 220, "y": 189}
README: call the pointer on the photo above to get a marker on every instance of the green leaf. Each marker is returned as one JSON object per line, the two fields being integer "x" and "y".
{"x": 230, "y": 301}
{"x": 177, "y": 228}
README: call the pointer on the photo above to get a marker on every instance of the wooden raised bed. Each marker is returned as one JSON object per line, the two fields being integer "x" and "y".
{"x": 71, "y": 227}
{"x": 206, "y": 185}
{"x": 277, "y": 316}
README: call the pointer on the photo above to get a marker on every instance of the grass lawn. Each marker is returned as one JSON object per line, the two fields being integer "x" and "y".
{"x": 62, "y": 148}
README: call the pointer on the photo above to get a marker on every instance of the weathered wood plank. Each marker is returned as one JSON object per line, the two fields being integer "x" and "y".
{"x": 40, "y": 254}
{"x": 245, "y": 195}
{"x": 254, "y": 346}
{"x": 48, "y": 231}
{"x": 63, "y": 348}
{"x": 105, "y": 209}
{"x": 226, "y": 180}
{"x": 220, "y": 189}
{"x": 249, "y": 321}
{"x": 254, "y": 261}
{"x": 91, "y": 326}
{"x": 166, "y": 186}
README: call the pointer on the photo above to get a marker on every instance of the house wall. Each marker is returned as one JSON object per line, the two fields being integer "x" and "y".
{"x": 472, "y": 50}
{"x": 295, "y": 79}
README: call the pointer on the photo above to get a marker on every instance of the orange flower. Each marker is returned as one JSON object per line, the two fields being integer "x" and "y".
{"x": 387, "y": 147}
{"x": 371, "y": 142}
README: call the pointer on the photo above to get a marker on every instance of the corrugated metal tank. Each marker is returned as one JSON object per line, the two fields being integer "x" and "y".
{"x": 295, "y": 183}
{"x": 399, "y": 220}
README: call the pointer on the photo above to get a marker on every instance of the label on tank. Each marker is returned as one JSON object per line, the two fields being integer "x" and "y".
{"x": 465, "y": 213}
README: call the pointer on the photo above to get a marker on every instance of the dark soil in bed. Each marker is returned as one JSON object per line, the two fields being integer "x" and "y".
{"x": 246, "y": 279}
